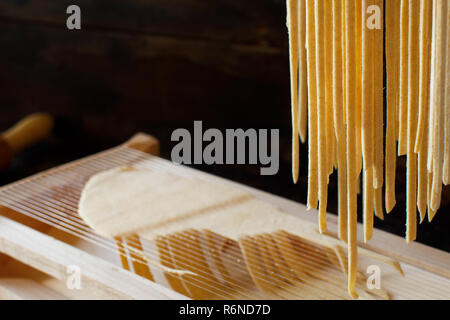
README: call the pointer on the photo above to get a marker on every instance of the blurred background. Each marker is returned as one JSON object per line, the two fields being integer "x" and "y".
{"x": 154, "y": 66}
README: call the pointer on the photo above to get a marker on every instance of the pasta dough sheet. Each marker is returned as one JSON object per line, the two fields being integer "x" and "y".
{"x": 126, "y": 201}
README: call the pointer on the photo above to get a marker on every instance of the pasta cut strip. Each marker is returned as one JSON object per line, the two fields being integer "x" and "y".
{"x": 378, "y": 203}
{"x": 328, "y": 38}
{"x": 345, "y": 50}
{"x": 368, "y": 204}
{"x": 432, "y": 110}
{"x": 426, "y": 20}
{"x": 322, "y": 114}
{"x": 313, "y": 183}
{"x": 292, "y": 24}
{"x": 403, "y": 95}
{"x": 339, "y": 124}
{"x": 422, "y": 176}
{"x": 446, "y": 169}
{"x": 413, "y": 71}
{"x": 378, "y": 174}
{"x": 367, "y": 125}
{"x": 438, "y": 85}
{"x": 303, "y": 75}
{"x": 422, "y": 139}
{"x": 358, "y": 85}
{"x": 392, "y": 71}
{"x": 367, "y": 94}
{"x": 350, "y": 11}
{"x": 431, "y": 212}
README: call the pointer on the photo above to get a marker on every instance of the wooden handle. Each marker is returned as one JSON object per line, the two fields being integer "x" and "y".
{"x": 28, "y": 132}
{"x": 145, "y": 143}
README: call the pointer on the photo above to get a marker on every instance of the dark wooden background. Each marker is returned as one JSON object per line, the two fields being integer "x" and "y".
{"x": 154, "y": 66}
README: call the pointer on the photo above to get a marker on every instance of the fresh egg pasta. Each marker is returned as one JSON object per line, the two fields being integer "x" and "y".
{"x": 358, "y": 120}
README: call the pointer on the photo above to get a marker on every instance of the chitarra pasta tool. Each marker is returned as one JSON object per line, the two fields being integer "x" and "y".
{"x": 24, "y": 134}
{"x": 126, "y": 224}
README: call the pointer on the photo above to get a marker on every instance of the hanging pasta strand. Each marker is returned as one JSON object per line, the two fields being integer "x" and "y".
{"x": 344, "y": 59}
{"x": 358, "y": 87}
{"x": 421, "y": 147}
{"x": 292, "y": 24}
{"x": 413, "y": 91}
{"x": 431, "y": 114}
{"x": 303, "y": 79}
{"x": 446, "y": 169}
{"x": 328, "y": 17}
{"x": 338, "y": 99}
{"x": 403, "y": 98}
{"x": 341, "y": 46}
{"x": 422, "y": 176}
{"x": 313, "y": 183}
{"x": 322, "y": 114}
{"x": 378, "y": 64}
{"x": 431, "y": 163}
{"x": 367, "y": 124}
{"x": 367, "y": 93}
{"x": 378, "y": 203}
{"x": 377, "y": 115}
{"x": 350, "y": 11}
{"x": 438, "y": 101}
{"x": 368, "y": 209}
{"x": 392, "y": 72}
{"x": 431, "y": 212}
{"x": 426, "y": 20}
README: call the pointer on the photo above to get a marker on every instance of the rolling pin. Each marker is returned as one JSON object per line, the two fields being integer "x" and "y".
{"x": 26, "y": 133}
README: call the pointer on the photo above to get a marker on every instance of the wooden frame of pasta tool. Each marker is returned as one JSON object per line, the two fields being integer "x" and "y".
{"x": 37, "y": 260}
{"x": 24, "y": 134}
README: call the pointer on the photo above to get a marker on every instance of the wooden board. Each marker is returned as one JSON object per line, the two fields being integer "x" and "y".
{"x": 40, "y": 257}
{"x": 53, "y": 257}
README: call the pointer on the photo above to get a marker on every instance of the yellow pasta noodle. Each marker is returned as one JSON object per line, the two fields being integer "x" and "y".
{"x": 378, "y": 174}
{"x": 355, "y": 49}
{"x": 368, "y": 204}
{"x": 350, "y": 11}
{"x": 292, "y": 24}
{"x": 302, "y": 77}
{"x": 438, "y": 85}
{"x": 392, "y": 70}
{"x": 322, "y": 112}
{"x": 358, "y": 84}
{"x": 367, "y": 94}
{"x": 328, "y": 38}
{"x": 413, "y": 91}
{"x": 339, "y": 126}
{"x": 313, "y": 184}
{"x": 403, "y": 95}
{"x": 446, "y": 169}
{"x": 421, "y": 147}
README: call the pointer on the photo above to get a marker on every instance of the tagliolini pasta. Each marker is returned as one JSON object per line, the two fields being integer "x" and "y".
{"x": 340, "y": 86}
